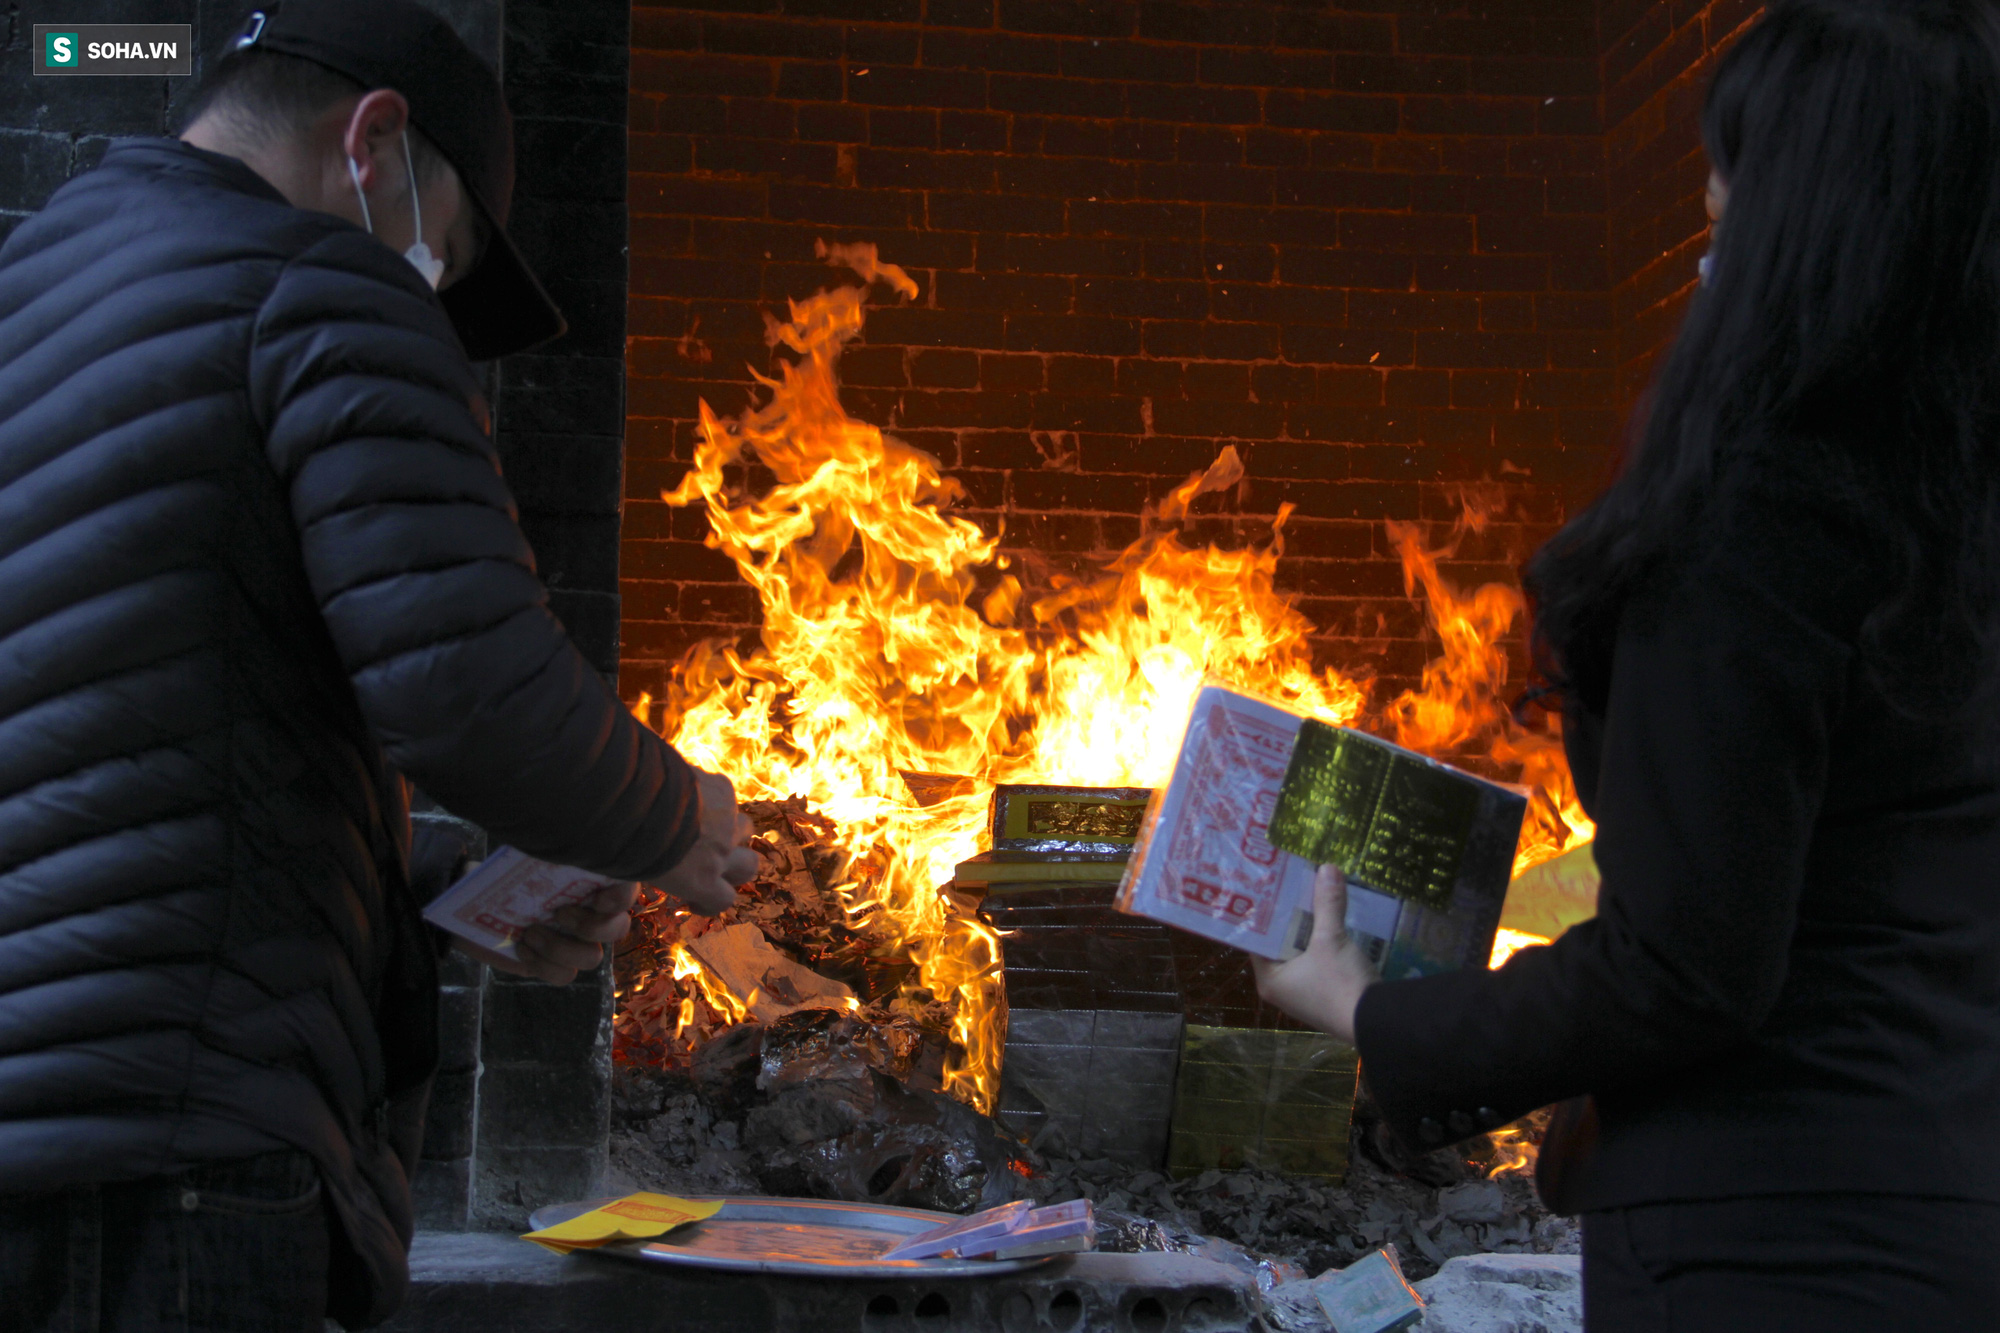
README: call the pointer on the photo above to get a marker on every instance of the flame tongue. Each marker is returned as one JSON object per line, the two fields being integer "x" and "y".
{"x": 879, "y": 656}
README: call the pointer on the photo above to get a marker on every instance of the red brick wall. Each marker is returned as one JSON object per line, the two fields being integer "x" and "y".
{"x": 1657, "y": 58}
{"x": 1365, "y": 246}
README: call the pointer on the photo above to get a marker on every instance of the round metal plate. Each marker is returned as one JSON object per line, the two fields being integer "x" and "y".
{"x": 798, "y": 1237}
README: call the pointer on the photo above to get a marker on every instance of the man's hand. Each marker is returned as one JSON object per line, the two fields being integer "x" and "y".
{"x": 572, "y": 940}
{"x": 707, "y": 876}
{"x": 1323, "y": 985}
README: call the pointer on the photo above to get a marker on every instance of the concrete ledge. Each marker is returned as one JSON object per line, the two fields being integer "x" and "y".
{"x": 489, "y": 1283}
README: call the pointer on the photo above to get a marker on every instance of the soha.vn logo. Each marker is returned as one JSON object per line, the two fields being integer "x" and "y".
{"x": 133, "y": 50}
{"x": 61, "y": 49}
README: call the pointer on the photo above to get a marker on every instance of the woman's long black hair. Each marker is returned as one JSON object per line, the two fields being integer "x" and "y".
{"x": 1851, "y": 318}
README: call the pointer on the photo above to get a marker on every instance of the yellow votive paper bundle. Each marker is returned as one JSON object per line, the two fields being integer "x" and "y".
{"x": 634, "y": 1217}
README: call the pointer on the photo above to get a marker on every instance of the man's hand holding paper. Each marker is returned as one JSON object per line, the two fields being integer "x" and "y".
{"x": 571, "y": 939}
{"x": 551, "y": 922}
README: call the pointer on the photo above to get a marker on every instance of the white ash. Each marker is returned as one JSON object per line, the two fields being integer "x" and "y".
{"x": 1310, "y": 1225}
{"x": 665, "y": 1138}
{"x": 1516, "y": 1293}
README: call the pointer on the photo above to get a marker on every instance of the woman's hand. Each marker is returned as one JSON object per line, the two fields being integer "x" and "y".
{"x": 1323, "y": 985}
{"x": 572, "y": 940}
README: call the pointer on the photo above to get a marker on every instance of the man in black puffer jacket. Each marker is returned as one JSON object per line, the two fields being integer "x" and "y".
{"x": 257, "y": 566}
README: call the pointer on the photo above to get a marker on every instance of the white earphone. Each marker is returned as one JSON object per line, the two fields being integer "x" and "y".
{"x": 419, "y": 254}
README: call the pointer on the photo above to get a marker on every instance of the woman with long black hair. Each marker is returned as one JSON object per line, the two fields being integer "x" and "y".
{"x": 1776, "y": 638}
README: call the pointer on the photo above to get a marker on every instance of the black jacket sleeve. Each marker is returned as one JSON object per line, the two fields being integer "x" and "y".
{"x": 1727, "y": 681}
{"x": 414, "y": 553}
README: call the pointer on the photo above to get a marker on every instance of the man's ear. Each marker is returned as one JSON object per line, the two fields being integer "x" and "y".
{"x": 373, "y": 127}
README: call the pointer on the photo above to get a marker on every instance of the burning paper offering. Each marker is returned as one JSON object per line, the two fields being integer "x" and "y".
{"x": 1260, "y": 795}
{"x": 634, "y": 1217}
{"x": 505, "y": 894}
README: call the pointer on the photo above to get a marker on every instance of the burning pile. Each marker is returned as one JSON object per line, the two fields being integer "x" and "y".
{"x": 896, "y": 641}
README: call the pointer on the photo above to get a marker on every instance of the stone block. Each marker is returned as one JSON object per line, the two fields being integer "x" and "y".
{"x": 558, "y": 1026}
{"x": 604, "y": 22}
{"x": 461, "y": 970}
{"x": 595, "y": 309}
{"x": 573, "y": 552}
{"x": 598, "y": 99}
{"x": 32, "y": 165}
{"x": 567, "y": 474}
{"x": 448, "y": 1123}
{"x": 458, "y": 1028}
{"x": 574, "y": 160}
{"x": 571, "y": 239}
{"x": 592, "y": 619}
{"x": 477, "y": 23}
{"x": 508, "y": 1183}
{"x": 562, "y": 395}
{"x": 441, "y": 1194}
{"x": 541, "y": 1106}
{"x": 1505, "y": 1293}
{"x": 79, "y": 106}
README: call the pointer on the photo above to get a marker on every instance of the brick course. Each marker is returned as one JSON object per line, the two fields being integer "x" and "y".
{"x": 1367, "y": 248}
{"x": 1657, "y": 56}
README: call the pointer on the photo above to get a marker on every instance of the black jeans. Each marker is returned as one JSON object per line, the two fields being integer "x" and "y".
{"x": 1815, "y": 1263}
{"x": 234, "y": 1246}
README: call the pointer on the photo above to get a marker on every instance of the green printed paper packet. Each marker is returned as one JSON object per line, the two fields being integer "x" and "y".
{"x": 1260, "y": 795}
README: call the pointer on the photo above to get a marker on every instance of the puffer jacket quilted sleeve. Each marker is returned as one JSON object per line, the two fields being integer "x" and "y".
{"x": 413, "y": 551}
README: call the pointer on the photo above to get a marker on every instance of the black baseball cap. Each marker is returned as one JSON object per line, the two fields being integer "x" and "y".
{"x": 455, "y": 99}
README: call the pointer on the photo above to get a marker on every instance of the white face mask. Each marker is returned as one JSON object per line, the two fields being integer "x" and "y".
{"x": 419, "y": 255}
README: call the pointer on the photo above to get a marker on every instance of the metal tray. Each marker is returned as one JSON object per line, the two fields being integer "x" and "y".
{"x": 796, "y": 1237}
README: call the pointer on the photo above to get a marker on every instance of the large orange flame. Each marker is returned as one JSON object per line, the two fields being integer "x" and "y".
{"x": 880, "y": 656}
{"x": 1461, "y": 705}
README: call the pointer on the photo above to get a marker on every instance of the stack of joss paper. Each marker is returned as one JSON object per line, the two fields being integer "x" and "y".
{"x": 1260, "y": 796}
{"x": 1017, "y": 1230}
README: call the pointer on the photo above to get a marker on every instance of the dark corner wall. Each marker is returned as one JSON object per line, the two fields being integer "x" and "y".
{"x": 1657, "y": 55}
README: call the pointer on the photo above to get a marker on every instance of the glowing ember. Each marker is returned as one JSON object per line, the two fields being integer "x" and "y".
{"x": 719, "y": 998}
{"x": 880, "y": 656}
{"x": 1513, "y": 1152}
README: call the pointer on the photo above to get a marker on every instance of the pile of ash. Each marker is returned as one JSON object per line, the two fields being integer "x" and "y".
{"x": 1304, "y": 1226}
{"x": 852, "y": 1132}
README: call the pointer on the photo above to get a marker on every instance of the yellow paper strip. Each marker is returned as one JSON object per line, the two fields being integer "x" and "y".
{"x": 634, "y": 1217}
